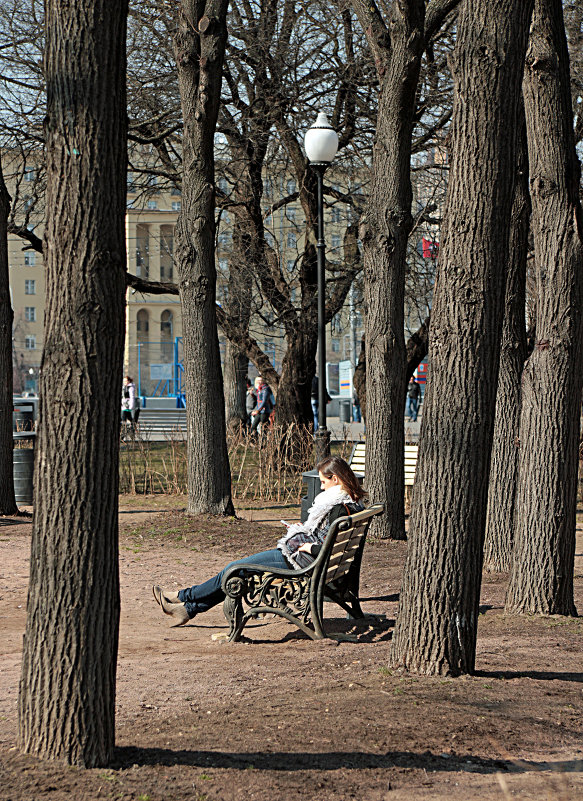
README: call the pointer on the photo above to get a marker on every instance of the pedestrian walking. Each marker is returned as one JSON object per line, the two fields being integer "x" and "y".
{"x": 413, "y": 395}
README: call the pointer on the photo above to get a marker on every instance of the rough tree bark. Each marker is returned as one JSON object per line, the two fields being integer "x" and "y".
{"x": 499, "y": 534}
{"x": 199, "y": 49}
{"x": 437, "y": 621}
{"x": 416, "y": 351}
{"x": 234, "y": 374}
{"x": 7, "y": 501}
{"x": 541, "y": 579}
{"x": 397, "y": 48}
{"x": 66, "y": 704}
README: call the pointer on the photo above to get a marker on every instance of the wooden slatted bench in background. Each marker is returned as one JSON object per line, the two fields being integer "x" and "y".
{"x": 299, "y": 595}
{"x": 357, "y": 460}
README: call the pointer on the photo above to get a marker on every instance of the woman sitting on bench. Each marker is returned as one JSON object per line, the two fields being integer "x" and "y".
{"x": 341, "y": 495}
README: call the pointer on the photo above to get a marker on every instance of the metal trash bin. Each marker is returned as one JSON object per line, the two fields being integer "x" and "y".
{"x": 312, "y": 481}
{"x": 345, "y": 411}
{"x": 22, "y": 414}
{"x": 23, "y": 467}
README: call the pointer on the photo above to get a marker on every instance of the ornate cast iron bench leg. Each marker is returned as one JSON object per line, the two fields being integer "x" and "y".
{"x": 233, "y": 611}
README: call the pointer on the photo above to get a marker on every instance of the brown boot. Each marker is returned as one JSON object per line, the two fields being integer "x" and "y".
{"x": 169, "y": 595}
{"x": 180, "y": 616}
{"x": 176, "y": 610}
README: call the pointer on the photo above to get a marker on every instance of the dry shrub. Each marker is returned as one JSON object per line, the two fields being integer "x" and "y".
{"x": 267, "y": 467}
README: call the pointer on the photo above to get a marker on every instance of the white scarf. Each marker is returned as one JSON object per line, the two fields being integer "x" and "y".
{"x": 323, "y": 503}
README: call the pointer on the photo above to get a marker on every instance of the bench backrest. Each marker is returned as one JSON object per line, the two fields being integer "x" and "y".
{"x": 350, "y": 534}
{"x": 358, "y": 458}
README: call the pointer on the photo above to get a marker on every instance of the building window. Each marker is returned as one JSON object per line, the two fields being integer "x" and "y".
{"x": 166, "y": 252}
{"x": 291, "y": 186}
{"x": 29, "y": 258}
{"x": 290, "y": 265}
{"x": 142, "y": 323}
{"x": 223, "y": 185}
{"x": 291, "y": 240}
{"x": 224, "y": 266}
{"x": 30, "y": 342}
{"x": 335, "y": 241}
{"x": 30, "y": 287}
{"x": 30, "y": 314}
{"x": 142, "y": 251}
{"x": 335, "y": 345}
{"x": 152, "y": 204}
{"x": 335, "y": 214}
{"x": 166, "y": 321}
{"x": 176, "y": 205}
{"x": 29, "y": 174}
{"x": 291, "y": 213}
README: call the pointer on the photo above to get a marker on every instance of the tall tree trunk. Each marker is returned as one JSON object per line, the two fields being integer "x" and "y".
{"x": 234, "y": 374}
{"x": 504, "y": 459}
{"x": 541, "y": 579}
{"x": 199, "y": 48}
{"x": 295, "y": 383}
{"x": 67, "y": 690}
{"x": 246, "y": 249}
{"x": 438, "y": 611}
{"x": 416, "y": 350}
{"x": 7, "y": 501}
{"x": 385, "y": 227}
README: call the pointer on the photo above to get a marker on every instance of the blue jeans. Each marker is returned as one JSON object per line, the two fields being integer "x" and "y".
{"x": 315, "y": 407}
{"x": 203, "y": 597}
{"x": 411, "y": 410}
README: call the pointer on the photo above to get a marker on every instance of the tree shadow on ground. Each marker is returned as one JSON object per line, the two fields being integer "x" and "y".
{"x": 22, "y": 517}
{"x": 390, "y": 598}
{"x": 371, "y": 628}
{"x": 127, "y": 756}
{"x": 540, "y": 675}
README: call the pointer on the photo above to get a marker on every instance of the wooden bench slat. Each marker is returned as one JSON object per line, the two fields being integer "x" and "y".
{"x": 358, "y": 461}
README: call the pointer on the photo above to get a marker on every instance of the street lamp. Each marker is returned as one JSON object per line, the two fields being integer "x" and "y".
{"x": 321, "y": 143}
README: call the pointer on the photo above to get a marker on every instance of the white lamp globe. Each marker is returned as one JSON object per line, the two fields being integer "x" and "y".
{"x": 321, "y": 141}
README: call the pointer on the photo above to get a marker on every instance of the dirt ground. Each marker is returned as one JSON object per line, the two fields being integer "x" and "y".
{"x": 283, "y": 717}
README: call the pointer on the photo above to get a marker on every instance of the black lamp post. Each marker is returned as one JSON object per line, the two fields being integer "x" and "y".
{"x": 321, "y": 143}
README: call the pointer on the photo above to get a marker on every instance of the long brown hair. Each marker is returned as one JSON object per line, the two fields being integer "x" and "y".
{"x": 335, "y": 466}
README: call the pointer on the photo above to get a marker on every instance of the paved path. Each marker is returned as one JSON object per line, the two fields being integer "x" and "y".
{"x": 339, "y": 431}
{"x": 356, "y": 431}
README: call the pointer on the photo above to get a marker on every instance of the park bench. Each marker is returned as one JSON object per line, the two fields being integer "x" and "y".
{"x": 298, "y": 595}
{"x": 357, "y": 460}
{"x": 162, "y": 423}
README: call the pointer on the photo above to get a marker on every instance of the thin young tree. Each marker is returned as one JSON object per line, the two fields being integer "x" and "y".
{"x": 66, "y": 707}
{"x": 541, "y": 579}
{"x": 7, "y": 500}
{"x": 438, "y": 611}
{"x": 199, "y": 49}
